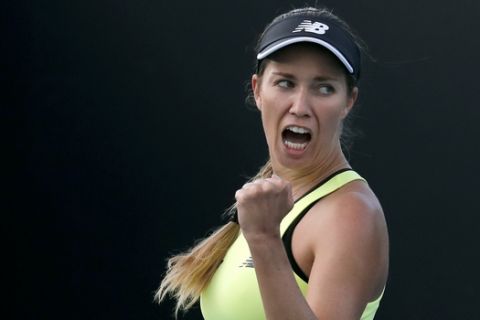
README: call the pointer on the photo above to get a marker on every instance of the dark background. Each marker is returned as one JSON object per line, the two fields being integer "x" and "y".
{"x": 131, "y": 136}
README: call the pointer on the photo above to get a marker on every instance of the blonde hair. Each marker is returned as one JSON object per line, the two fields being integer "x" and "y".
{"x": 188, "y": 273}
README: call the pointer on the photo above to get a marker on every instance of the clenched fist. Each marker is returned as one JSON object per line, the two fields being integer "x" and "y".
{"x": 262, "y": 204}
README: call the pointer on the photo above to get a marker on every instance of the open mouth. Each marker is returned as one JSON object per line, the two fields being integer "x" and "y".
{"x": 296, "y": 138}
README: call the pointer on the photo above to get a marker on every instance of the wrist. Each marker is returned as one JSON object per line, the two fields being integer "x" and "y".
{"x": 262, "y": 238}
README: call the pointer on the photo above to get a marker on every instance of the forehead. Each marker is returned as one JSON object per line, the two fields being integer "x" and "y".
{"x": 306, "y": 57}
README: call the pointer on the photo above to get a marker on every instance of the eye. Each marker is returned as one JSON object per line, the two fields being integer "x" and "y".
{"x": 326, "y": 89}
{"x": 284, "y": 83}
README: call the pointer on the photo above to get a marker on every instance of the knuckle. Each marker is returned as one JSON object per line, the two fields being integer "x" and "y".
{"x": 239, "y": 195}
{"x": 267, "y": 186}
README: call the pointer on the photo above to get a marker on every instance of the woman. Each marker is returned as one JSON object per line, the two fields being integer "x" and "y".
{"x": 313, "y": 240}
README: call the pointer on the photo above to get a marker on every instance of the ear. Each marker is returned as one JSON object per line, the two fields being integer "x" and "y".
{"x": 351, "y": 102}
{"x": 256, "y": 91}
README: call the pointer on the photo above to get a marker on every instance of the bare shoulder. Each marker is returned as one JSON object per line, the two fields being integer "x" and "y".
{"x": 346, "y": 233}
{"x": 352, "y": 210}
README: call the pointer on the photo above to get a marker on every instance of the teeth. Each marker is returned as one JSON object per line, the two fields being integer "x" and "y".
{"x": 298, "y": 130}
{"x": 296, "y": 146}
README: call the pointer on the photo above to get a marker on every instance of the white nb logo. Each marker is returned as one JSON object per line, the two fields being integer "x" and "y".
{"x": 308, "y": 26}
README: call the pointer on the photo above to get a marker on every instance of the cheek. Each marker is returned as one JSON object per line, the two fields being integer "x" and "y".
{"x": 270, "y": 109}
{"x": 331, "y": 117}
{"x": 268, "y": 123}
{"x": 271, "y": 115}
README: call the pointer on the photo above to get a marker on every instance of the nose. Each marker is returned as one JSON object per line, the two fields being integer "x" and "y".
{"x": 300, "y": 104}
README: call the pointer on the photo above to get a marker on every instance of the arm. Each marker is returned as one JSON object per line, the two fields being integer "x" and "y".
{"x": 344, "y": 244}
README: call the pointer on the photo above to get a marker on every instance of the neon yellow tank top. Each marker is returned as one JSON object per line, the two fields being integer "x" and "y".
{"x": 233, "y": 292}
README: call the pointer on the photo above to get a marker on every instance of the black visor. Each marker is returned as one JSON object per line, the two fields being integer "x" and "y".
{"x": 320, "y": 30}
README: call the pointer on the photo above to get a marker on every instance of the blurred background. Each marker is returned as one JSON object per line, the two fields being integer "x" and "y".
{"x": 131, "y": 136}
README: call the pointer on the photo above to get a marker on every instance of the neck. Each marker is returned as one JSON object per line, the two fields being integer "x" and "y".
{"x": 304, "y": 179}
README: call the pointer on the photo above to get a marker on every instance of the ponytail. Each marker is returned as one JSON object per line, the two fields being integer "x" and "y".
{"x": 188, "y": 273}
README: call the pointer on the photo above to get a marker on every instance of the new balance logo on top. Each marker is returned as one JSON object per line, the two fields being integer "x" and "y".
{"x": 247, "y": 263}
{"x": 308, "y": 26}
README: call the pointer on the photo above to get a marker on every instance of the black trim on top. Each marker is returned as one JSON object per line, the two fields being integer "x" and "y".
{"x": 287, "y": 242}
{"x": 323, "y": 181}
{"x": 287, "y": 236}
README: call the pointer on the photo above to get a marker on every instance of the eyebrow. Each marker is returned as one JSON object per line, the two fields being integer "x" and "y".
{"x": 291, "y": 76}
{"x": 283, "y": 74}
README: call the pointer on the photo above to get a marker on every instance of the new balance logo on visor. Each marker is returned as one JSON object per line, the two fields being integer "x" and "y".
{"x": 308, "y": 26}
